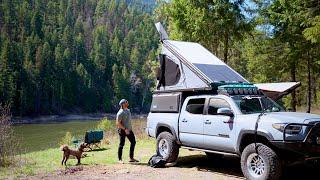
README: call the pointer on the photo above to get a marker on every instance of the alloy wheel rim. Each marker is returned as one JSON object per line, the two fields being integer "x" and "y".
{"x": 256, "y": 165}
{"x": 163, "y": 147}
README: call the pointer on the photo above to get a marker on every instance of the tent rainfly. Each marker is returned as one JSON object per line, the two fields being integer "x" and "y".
{"x": 188, "y": 66}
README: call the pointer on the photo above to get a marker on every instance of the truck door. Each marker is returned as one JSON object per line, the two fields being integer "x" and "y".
{"x": 217, "y": 127}
{"x": 191, "y": 122}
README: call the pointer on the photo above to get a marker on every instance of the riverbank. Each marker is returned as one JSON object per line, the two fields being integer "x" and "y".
{"x": 42, "y": 136}
{"x": 69, "y": 117}
{"x": 49, "y": 160}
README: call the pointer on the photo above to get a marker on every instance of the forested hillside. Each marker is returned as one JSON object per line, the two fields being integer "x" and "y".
{"x": 61, "y": 56}
{"x": 266, "y": 41}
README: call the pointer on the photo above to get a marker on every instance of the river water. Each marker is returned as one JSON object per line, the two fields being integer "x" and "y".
{"x": 35, "y": 137}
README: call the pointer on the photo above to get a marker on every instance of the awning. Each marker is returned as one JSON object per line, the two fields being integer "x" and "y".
{"x": 277, "y": 90}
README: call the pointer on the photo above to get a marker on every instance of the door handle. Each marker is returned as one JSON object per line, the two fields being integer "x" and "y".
{"x": 207, "y": 122}
{"x": 184, "y": 120}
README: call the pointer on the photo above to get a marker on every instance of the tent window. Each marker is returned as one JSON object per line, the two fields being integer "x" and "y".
{"x": 172, "y": 72}
{"x": 169, "y": 73}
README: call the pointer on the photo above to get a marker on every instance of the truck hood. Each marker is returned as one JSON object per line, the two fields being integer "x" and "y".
{"x": 292, "y": 117}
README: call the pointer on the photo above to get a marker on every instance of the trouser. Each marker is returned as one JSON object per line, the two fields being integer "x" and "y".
{"x": 132, "y": 139}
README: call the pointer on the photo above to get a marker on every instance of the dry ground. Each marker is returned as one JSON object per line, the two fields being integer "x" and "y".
{"x": 194, "y": 166}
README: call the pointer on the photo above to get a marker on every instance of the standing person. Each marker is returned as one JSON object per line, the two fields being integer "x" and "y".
{"x": 125, "y": 130}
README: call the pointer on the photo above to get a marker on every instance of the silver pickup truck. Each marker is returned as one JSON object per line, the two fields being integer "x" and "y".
{"x": 249, "y": 125}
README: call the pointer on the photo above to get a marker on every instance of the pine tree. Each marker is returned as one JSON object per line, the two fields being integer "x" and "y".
{"x": 7, "y": 74}
{"x": 57, "y": 56}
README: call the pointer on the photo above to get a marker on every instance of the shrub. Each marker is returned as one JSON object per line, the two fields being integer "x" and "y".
{"x": 109, "y": 129}
{"x": 106, "y": 125}
{"x": 67, "y": 139}
{"x": 8, "y": 144}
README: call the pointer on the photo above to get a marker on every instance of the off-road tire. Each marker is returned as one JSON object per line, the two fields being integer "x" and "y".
{"x": 173, "y": 148}
{"x": 272, "y": 162}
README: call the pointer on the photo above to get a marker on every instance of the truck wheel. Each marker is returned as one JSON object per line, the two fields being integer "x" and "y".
{"x": 167, "y": 147}
{"x": 261, "y": 164}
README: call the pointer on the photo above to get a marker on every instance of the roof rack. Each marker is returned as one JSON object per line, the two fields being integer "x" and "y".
{"x": 236, "y": 88}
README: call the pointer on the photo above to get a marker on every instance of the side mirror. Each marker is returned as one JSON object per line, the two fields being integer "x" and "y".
{"x": 225, "y": 112}
{"x": 275, "y": 109}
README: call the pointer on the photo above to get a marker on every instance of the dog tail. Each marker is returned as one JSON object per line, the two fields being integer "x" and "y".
{"x": 64, "y": 147}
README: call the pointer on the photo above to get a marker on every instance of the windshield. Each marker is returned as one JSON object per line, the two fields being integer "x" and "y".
{"x": 255, "y": 104}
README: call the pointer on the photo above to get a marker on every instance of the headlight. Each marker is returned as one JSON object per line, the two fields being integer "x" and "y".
{"x": 291, "y": 129}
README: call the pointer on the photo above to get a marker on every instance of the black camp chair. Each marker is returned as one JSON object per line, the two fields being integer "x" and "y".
{"x": 93, "y": 138}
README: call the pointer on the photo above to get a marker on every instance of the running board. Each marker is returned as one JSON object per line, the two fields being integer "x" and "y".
{"x": 210, "y": 151}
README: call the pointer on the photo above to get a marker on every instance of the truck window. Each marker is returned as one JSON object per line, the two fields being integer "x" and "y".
{"x": 255, "y": 104}
{"x": 215, "y": 104}
{"x": 195, "y": 106}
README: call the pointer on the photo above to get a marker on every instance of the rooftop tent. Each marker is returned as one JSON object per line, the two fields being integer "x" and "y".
{"x": 188, "y": 65}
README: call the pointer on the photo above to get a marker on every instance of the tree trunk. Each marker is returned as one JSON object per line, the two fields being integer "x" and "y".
{"x": 309, "y": 83}
{"x": 293, "y": 94}
{"x": 226, "y": 47}
{"x": 315, "y": 84}
{"x": 148, "y": 82}
{"x": 214, "y": 46}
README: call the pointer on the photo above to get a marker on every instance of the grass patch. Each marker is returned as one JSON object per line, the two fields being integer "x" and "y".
{"x": 50, "y": 160}
{"x": 45, "y": 161}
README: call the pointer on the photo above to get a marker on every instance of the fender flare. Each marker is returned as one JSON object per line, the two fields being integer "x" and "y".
{"x": 242, "y": 133}
{"x": 159, "y": 125}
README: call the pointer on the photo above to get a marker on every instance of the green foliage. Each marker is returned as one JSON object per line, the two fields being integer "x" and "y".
{"x": 57, "y": 56}
{"x": 8, "y": 147}
{"x": 266, "y": 41}
{"x": 83, "y": 56}
{"x": 291, "y": 52}
{"x": 217, "y": 25}
{"x": 106, "y": 125}
{"x": 313, "y": 33}
{"x": 49, "y": 160}
{"x": 67, "y": 139}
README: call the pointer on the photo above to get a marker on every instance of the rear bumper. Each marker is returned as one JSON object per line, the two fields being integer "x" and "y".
{"x": 147, "y": 131}
{"x": 150, "y": 132}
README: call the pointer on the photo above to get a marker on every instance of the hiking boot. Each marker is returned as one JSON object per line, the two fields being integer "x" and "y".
{"x": 120, "y": 162}
{"x": 133, "y": 160}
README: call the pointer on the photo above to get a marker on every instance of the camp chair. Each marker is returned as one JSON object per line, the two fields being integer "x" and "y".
{"x": 93, "y": 138}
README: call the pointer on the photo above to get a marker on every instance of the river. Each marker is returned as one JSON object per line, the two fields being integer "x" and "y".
{"x": 35, "y": 137}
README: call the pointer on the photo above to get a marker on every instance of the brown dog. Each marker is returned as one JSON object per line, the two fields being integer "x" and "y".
{"x": 67, "y": 152}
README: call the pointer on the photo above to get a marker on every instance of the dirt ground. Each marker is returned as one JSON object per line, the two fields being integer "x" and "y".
{"x": 196, "y": 166}
{"x": 142, "y": 171}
